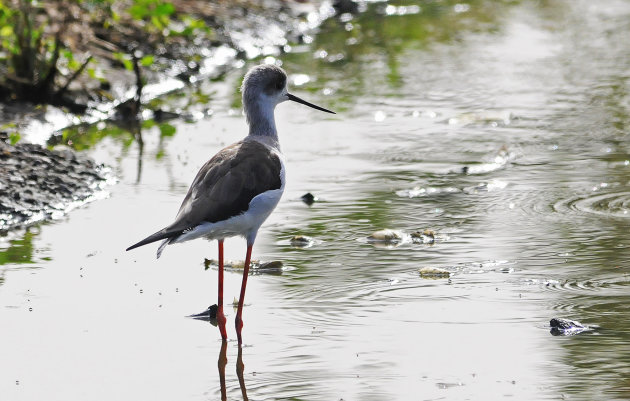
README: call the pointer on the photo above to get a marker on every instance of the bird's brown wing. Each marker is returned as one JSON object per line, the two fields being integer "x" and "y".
{"x": 224, "y": 186}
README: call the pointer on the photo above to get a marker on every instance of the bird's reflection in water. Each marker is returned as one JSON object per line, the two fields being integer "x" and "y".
{"x": 222, "y": 362}
{"x": 239, "y": 372}
{"x": 210, "y": 316}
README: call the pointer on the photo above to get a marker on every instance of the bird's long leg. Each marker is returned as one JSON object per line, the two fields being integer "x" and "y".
{"x": 220, "y": 316}
{"x": 221, "y": 364}
{"x": 239, "y": 313}
{"x": 240, "y": 367}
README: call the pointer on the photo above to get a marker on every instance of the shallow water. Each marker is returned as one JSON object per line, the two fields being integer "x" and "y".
{"x": 531, "y": 97}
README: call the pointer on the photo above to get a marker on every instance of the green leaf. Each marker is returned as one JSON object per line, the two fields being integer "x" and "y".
{"x": 167, "y": 129}
{"x": 157, "y": 22}
{"x": 147, "y": 60}
{"x": 164, "y": 9}
{"x": 138, "y": 12}
{"x": 148, "y": 123}
{"x": 14, "y": 137}
{"x": 6, "y": 31}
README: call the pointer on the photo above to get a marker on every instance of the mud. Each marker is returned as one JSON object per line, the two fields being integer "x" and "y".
{"x": 38, "y": 184}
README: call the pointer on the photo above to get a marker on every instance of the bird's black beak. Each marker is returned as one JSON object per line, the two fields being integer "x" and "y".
{"x": 298, "y": 100}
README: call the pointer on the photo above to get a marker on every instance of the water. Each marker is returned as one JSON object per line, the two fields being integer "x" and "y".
{"x": 531, "y": 97}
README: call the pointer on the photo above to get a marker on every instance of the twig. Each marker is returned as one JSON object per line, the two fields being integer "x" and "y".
{"x": 139, "y": 83}
{"x": 46, "y": 83}
{"x": 74, "y": 76}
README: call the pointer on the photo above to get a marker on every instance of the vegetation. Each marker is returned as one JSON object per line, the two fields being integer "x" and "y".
{"x": 55, "y": 51}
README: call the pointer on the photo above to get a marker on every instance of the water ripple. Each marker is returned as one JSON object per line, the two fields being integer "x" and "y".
{"x": 614, "y": 204}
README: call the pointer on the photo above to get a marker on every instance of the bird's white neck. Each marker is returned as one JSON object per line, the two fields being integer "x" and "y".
{"x": 260, "y": 117}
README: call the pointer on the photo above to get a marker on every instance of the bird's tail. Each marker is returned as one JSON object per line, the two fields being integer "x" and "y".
{"x": 160, "y": 235}
{"x": 162, "y": 246}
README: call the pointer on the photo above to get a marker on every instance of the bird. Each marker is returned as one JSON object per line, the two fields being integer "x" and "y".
{"x": 237, "y": 189}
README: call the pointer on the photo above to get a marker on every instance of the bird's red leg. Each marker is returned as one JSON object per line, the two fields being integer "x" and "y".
{"x": 240, "y": 367}
{"x": 239, "y": 313}
{"x": 221, "y": 364}
{"x": 220, "y": 316}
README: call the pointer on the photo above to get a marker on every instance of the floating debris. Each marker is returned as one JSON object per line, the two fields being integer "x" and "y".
{"x": 434, "y": 273}
{"x": 417, "y": 192}
{"x": 301, "y": 241}
{"x": 389, "y": 238}
{"x": 498, "y": 161}
{"x": 256, "y": 266}
{"x": 566, "y": 327}
{"x": 309, "y": 198}
{"x": 486, "y": 187}
{"x": 493, "y": 118}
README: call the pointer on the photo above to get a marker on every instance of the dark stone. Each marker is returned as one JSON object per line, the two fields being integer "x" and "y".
{"x": 566, "y": 327}
{"x": 345, "y": 6}
{"x": 308, "y": 198}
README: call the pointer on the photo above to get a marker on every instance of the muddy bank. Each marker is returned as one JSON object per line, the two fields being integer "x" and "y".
{"x": 38, "y": 184}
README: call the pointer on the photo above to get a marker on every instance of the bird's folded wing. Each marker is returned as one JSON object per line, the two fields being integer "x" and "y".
{"x": 227, "y": 183}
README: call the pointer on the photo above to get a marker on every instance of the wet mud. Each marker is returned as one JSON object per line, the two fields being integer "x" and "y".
{"x": 38, "y": 184}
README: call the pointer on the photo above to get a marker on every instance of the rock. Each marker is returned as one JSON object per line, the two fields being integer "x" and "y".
{"x": 275, "y": 266}
{"x": 434, "y": 273}
{"x": 425, "y": 237}
{"x": 386, "y": 235}
{"x": 566, "y": 327}
{"x": 309, "y": 198}
{"x": 301, "y": 241}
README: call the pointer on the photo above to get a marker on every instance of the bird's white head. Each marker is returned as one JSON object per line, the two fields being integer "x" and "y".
{"x": 264, "y": 87}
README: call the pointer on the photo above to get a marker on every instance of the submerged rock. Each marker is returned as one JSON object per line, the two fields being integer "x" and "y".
{"x": 425, "y": 237}
{"x": 301, "y": 241}
{"x": 37, "y": 184}
{"x": 434, "y": 273}
{"x": 386, "y": 235}
{"x": 275, "y": 266}
{"x": 566, "y": 327}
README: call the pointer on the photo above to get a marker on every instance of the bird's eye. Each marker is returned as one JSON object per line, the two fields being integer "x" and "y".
{"x": 279, "y": 85}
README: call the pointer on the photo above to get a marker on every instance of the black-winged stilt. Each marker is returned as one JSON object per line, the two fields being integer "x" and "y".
{"x": 238, "y": 188}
